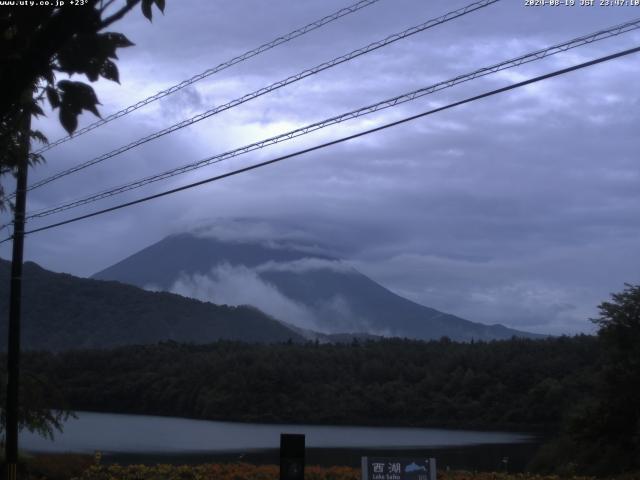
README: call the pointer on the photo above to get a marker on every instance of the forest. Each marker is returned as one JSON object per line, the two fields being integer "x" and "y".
{"x": 516, "y": 384}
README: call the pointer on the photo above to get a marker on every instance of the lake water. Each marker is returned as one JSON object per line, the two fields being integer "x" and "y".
{"x": 137, "y": 437}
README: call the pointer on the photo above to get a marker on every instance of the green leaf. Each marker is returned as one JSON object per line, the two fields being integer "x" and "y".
{"x": 110, "y": 71}
{"x": 76, "y": 96}
{"x": 35, "y": 158}
{"x": 118, "y": 39}
{"x": 76, "y": 54}
{"x": 77, "y": 93}
{"x": 107, "y": 44}
{"x": 36, "y": 111}
{"x": 87, "y": 53}
{"x": 68, "y": 119}
{"x": 54, "y": 98}
{"x": 38, "y": 135}
{"x": 146, "y": 8}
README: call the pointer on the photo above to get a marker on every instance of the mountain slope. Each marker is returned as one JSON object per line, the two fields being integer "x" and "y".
{"x": 61, "y": 311}
{"x": 338, "y": 298}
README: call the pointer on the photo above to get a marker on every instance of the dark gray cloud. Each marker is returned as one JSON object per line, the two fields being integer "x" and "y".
{"x": 520, "y": 209}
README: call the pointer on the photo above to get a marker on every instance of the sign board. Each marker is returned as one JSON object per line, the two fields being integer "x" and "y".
{"x": 393, "y": 468}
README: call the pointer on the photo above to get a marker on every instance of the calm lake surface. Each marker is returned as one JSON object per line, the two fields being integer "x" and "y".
{"x": 136, "y": 438}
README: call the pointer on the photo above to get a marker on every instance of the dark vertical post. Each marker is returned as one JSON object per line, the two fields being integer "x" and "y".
{"x": 291, "y": 456}
{"x": 13, "y": 357}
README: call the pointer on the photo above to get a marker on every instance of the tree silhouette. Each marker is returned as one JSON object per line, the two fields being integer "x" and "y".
{"x": 37, "y": 44}
{"x": 617, "y": 414}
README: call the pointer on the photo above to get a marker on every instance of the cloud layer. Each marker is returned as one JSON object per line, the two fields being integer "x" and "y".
{"x": 522, "y": 209}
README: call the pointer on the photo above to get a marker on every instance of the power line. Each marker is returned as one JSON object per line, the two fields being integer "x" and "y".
{"x": 340, "y": 140}
{"x": 399, "y": 99}
{"x": 274, "y": 86}
{"x": 223, "y": 66}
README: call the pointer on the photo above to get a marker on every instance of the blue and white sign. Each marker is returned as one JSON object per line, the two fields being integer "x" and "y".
{"x": 392, "y": 468}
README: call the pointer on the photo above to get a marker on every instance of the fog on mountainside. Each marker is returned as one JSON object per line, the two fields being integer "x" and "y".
{"x": 293, "y": 281}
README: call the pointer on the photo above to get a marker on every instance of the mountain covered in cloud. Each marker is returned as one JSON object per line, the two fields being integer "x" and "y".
{"x": 62, "y": 312}
{"x": 291, "y": 279}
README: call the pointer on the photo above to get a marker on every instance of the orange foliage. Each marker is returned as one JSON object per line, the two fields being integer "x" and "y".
{"x": 244, "y": 471}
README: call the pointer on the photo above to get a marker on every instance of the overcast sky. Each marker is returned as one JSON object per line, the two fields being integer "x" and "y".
{"x": 521, "y": 209}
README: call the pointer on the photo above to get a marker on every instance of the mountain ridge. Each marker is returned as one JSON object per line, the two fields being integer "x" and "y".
{"x": 60, "y": 311}
{"x": 335, "y": 297}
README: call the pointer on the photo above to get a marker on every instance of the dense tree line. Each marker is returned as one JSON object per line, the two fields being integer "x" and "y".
{"x": 601, "y": 434}
{"x": 520, "y": 384}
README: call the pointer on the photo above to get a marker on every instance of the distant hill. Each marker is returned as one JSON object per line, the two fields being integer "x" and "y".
{"x": 332, "y": 297}
{"x": 61, "y": 311}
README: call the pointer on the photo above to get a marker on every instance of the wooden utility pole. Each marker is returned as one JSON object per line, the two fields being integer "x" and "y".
{"x": 13, "y": 357}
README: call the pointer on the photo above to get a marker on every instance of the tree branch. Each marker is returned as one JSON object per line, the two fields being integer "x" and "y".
{"x": 119, "y": 14}
{"x": 106, "y": 5}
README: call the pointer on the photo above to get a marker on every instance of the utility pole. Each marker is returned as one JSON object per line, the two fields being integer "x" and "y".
{"x": 13, "y": 357}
